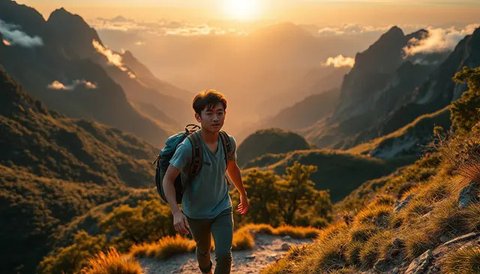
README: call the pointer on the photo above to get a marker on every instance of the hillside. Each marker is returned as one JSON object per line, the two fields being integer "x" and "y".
{"x": 421, "y": 219}
{"x": 54, "y": 168}
{"x": 265, "y": 141}
{"x": 72, "y": 72}
{"x": 410, "y": 141}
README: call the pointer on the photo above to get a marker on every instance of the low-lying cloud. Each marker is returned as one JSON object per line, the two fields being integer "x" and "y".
{"x": 161, "y": 27}
{"x": 57, "y": 85}
{"x": 14, "y": 36}
{"x": 113, "y": 58}
{"x": 339, "y": 61}
{"x": 438, "y": 40}
{"x": 350, "y": 29}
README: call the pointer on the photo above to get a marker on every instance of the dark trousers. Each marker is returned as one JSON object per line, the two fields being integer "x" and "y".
{"x": 221, "y": 227}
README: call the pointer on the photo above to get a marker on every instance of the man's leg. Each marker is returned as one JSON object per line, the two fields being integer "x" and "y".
{"x": 202, "y": 236}
{"x": 222, "y": 230}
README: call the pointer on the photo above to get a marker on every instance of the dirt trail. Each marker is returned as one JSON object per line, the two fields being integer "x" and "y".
{"x": 267, "y": 250}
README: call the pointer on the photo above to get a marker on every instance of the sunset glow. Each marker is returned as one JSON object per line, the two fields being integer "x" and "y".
{"x": 242, "y": 9}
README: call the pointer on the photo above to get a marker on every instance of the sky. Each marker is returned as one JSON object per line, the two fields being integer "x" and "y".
{"x": 321, "y": 12}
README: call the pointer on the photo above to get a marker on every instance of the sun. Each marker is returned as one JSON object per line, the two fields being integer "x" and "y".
{"x": 242, "y": 9}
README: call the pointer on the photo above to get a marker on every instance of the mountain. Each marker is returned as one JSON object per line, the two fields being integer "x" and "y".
{"x": 381, "y": 81}
{"x": 306, "y": 112}
{"x": 70, "y": 70}
{"x": 54, "y": 168}
{"x": 272, "y": 140}
{"x": 439, "y": 89}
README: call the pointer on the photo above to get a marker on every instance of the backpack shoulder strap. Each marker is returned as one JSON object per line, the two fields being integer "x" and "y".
{"x": 196, "y": 164}
{"x": 227, "y": 145}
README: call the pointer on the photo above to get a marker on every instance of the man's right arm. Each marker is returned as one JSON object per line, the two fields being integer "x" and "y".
{"x": 179, "y": 220}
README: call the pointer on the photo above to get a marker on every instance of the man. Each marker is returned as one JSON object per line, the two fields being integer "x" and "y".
{"x": 206, "y": 203}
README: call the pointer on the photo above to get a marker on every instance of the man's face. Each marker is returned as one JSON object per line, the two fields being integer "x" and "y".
{"x": 212, "y": 119}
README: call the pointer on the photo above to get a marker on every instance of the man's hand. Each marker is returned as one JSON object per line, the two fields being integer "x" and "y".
{"x": 243, "y": 206}
{"x": 180, "y": 223}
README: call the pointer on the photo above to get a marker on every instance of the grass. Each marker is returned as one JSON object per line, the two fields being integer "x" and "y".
{"x": 112, "y": 263}
{"x": 164, "y": 248}
{"x": 465, "y": 261}
{"x": 243, "y": 238}
{"x": 379, "y": 215}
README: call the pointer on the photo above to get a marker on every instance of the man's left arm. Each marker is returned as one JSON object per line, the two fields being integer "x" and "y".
{"x": 233, "y": 172}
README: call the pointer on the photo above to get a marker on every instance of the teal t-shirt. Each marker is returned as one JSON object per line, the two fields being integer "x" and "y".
{"x": 207, "y": 194}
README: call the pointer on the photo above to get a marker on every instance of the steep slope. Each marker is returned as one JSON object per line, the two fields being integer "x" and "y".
{"x": 70, "y": 72}
{"x": 381, "y": 81}
{"x": 439, "y": 90}
{"x": 409, "y": 141}
{"x": 421, "y": 219}
{"x": 54, "y": 168}
{"x": 49, "y": 144}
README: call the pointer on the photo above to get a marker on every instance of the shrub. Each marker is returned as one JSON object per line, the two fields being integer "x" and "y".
{"x": 163, "y": 248}
{"x": 465, "y": 261}
{"x": 112, "y": 263}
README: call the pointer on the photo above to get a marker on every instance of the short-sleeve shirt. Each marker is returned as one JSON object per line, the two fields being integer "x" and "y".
{"x": 206, "y": 195}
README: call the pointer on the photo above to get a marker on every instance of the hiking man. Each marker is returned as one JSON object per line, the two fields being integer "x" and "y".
{"x": 206, "y": 203}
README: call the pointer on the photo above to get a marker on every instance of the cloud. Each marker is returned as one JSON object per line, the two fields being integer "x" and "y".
{"x": 13, "y": 35}
{"x": 350, "y": 29}
{"x": 57, "y": 85}
{"x": 112, "y": 58}
{"x": 161, "y": 27}
{"x": 438, "y": 40}
{"x": 339, "y": 61}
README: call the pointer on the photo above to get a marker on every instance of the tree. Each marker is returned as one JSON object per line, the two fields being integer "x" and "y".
{"x": 466, "y": 110}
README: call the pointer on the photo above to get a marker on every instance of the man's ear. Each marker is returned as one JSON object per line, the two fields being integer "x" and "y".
{"x": 199, "y": 119}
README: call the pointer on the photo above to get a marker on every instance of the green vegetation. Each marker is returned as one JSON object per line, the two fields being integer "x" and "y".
{"x": 53, "y": 169}
{"x": 339, "y": 172}
{"x": 395, "y": 219}
{"x": 269, "y": 141}
{"x": 289, "y": 199}
{"x": 50, "y": 145}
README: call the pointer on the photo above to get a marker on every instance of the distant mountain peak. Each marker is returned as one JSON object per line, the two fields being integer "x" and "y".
{"x": 63, "y": 17}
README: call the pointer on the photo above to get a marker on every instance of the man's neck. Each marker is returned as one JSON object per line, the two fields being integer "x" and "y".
{"x": 209, "y": 137}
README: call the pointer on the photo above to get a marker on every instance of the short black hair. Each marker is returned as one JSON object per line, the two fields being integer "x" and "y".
{"x": 208, "y": 98}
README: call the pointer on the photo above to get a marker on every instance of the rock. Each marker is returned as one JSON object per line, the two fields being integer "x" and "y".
{"x": 285, "y": 247}
{"x": 463, "y": 238}
{"x": 469, "y": 194}
{"x": 443, "y": 238}
{"x": 403, "y": 203}
{"x": 420, "y": 264}
{"x": 250, "y": 257}
{"x": 286, "y": 237}
{"x": 273, "y": 257}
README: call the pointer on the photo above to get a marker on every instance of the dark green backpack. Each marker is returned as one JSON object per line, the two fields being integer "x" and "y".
{"x": 166, "y": 153}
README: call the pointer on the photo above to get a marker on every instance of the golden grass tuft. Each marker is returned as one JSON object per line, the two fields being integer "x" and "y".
{"x": 163, "y": 248}
{"x": 373, "y": 247}
{"x": 331, "y": 231}
{"x": 465, "y": 261}
{"x": 417, "y": 242}
{"x": 362, "y": 232}
{"x": 243, "y": 239}
{"x": 112, "y": 263}
{"x": 379, "y": 215}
